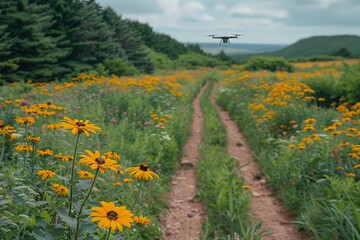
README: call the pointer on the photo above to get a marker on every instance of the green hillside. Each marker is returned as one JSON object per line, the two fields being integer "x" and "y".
{"x": 315, "y": 46}
{"x": 321, "y": 45}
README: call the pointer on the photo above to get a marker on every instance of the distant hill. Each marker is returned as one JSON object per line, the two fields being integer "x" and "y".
{"x": 240, "y": 48}
{"x": 314, "y": 46}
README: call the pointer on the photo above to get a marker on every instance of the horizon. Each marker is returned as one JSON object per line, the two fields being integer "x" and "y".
{"x": 277, "y": 21}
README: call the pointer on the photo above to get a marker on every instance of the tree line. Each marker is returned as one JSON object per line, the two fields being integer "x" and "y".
{"x": 46, "y": 40}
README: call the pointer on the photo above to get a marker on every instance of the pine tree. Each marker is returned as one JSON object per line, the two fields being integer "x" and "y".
{"x": 8, "y": 62}
{"x": 92, "y": 40}
{"x": 132, "y": 44}
{"x": 28, "y": 25}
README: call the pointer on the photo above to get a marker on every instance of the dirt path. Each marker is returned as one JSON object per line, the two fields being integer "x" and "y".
{"x": 263, "y": 205}
{"x": 178, "y": 223}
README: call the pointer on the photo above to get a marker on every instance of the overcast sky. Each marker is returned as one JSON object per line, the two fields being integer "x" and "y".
{"x": 260, "y": 21}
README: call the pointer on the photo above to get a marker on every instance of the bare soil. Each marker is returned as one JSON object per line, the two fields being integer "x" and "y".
{"x": 185, "y": 216}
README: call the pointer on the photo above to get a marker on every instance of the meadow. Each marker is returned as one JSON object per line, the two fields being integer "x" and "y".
{"x": 91, "y": 157}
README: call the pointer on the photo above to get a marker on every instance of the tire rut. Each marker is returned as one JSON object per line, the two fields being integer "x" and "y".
{"x": 264, "y": 206}
{"x": 185, "y": 216}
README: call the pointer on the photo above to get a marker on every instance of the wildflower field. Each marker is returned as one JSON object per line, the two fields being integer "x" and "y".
{"x": 91, "y": 157}
{"x": 303, "y": 128}
{"x": 91, "y": 153}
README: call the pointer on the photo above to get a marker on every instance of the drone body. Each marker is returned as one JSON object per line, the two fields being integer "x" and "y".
{"x": 224, "y": 39}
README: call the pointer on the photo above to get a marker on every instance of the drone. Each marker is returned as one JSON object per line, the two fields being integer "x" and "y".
{"x": 225, "y": 39}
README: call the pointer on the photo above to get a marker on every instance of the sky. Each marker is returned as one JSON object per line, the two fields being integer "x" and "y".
{"x": 260, "y": 21}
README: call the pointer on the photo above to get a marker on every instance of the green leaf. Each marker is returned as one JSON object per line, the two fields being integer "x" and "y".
{"x": 45, "y": 215}
{"x": 3, "y": 202}
{"x": 65, "y": 218}
{"x": 41, "y": 235}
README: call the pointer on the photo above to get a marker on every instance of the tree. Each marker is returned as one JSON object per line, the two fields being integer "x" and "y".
{"x": 8, "y": 62}
{"x": 135, "y": 52}
{"x": 35, "y": 51}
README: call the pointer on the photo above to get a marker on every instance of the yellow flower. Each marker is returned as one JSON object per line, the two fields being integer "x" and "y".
{"x": 34, "y": 139}
{"x": 142, "y": 172}
{"x": 60, "y": 189}
{"x": 45, "y": 174}
{"x": 112, "y": 155}
{"x": 351, "y": 175}
{"x": 117, "y": 184}
{"x": 340, "y": 168}
{"x": 22, "y": 148}
{"x": 85, "y": 175}
{"x": 46, "y": 152}
{"x": 79, "y": 126}
{"x": 64, "y": 158}
{"x": 53, "y": 126}
{"x": 95, "y": 160}
{"x": 7, "y": 130}
{"x": 246, "y": 187}
{"x": 25, "y": 121}
{"x": 127, "y": 180}
{"x": 111, "y": 216}
{"x": 357, "y": 166}
{"x": 141, "y": 220}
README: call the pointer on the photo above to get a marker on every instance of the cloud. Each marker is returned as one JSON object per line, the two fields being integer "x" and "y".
{"x": 194, "y": 11}
{"x": 133, "y": 6}
{"x": 170, "y": 7}
{"x": 246, "y": 11}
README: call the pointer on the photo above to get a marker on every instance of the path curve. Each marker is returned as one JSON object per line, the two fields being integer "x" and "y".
{"x": 178, "y": 223}
{"x": 264, "y": 206}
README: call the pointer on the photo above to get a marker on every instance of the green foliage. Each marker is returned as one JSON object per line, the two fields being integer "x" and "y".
{"x": 268, "y": 63}
{"x": 350, "y": 83}
{"x": 119, "y": 66}
{"x": 342, "y": 52}
{"x": 220, "y": 186}
{"x": 194, "y": 60}
{"x": 320, "y": 45}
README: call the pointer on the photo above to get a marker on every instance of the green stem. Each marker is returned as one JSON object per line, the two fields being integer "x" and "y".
{"x": 132, "y": 207}
{"x": 3, "y": 149}
{"x": 137, "y": 196}
{"x": 44, "y": 197}
{"x": 108, "y": 234}
{"x": 83, "y": 204}
{"x": 72, "y": 174}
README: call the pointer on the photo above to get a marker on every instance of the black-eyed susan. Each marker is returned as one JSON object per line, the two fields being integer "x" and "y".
{"x": 25, "y": 121}
{"x": 45, "y": 174}
{"x": 351, "y": 174}
{"x": 117, "y": 183}
{"x": 34, "y": 139}
{"x": 85, "y": 175}
{"x": 23, "y": 148}
{"x": 97, "y": 161}
{"x": 64, "y": 158}
{"x": 142, "y": 173}
{"x": 45, "y": 152}
{"x": 79, "y": 126}
{"x": 6, "y": 129}
{"x": 246, "y": 187}
{"x": 112, "y": 155}
{"x": 127, "y": 180}
{"x": 141, "y": 220}
{"x": 60, "y": 190}
{"x": 53, "y": 126}
{"x": 111, "y": 216}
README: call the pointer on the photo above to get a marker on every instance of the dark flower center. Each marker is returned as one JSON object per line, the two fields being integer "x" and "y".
{"x": 143, "y": 168}
{"x": 100, "y": 160}
{"x": 80, "y": 124}
{"x": 112, "y": 215}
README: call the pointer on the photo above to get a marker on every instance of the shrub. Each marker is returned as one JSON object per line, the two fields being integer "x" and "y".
{"x": 268, "y": 63}
{"x": 350, "y": 83}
